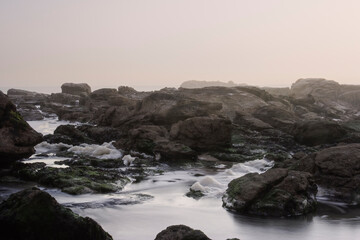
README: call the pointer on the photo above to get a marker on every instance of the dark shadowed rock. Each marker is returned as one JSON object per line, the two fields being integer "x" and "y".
{"x": 35, "y": 215}
{"x": 338, "y": 168}
{"x": 314, "y": 133}
{"x": 203, "y": 132}
{"x": 17, "y": 138}
{"x": 76, "y": 88}
{"x": 181, "y": 232}
{"x": 277, "y": 192}
{"x": 75, "y": 135}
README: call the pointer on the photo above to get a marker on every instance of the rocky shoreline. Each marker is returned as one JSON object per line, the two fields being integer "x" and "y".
{"x": 311, "y": 132}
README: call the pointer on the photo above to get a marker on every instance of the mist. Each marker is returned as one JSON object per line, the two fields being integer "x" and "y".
{"x": 153, "y": 44}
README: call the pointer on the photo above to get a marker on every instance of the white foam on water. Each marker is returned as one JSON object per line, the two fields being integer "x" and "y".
{"x": 104, "y": 151}
{"x": 48, "y": 125}
{"x": 50, "y": 162}
{"x": 215, "y": 186}
{"x": 128, "y": 159}
{"x": 45, "y": 147}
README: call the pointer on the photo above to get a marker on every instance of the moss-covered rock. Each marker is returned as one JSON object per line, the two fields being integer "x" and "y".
{"x": 277, "y": 192}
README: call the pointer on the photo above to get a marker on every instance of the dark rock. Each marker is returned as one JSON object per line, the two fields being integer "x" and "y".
{"x": 77, "y": 137}
{"x": 127, "y": 91}
{"x": 338, "y": 168}
{"x": 312, "y": 133}
{"x": 65, "y": 98}
{"x": 76, "y": 88}
{"x": 203, "y": 132}
{"x": 181, "y": 232}
{"x": 77, "y": 179}
{"x": 35, "y": 215}
{"x": 103, "y": 93}
{"x": 17, "y": 137}
{"x": 277, "y": 192}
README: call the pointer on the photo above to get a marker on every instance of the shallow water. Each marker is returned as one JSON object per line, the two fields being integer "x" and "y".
{"x": 144, "y": 209}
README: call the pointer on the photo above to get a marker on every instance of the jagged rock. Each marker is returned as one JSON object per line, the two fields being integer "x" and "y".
{"x": 314, "y": 133}
{"x": 76, "y": 88}
{"x": 17, "y": 137}
{"x": 35, "y": 215}
{"x": 181, "y": 232}
{"x": 277, "y": 192}
{"x": 203, "y": 132}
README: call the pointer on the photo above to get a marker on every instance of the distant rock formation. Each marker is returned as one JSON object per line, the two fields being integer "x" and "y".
{"x": 202, "y": 84}
{"x": 76, "y": 88}
{"x": 35, "y": 215}
{"x": 17, "y": 137}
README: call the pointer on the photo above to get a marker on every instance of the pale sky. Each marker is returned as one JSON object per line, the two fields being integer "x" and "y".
{"x": 158, "y": 43}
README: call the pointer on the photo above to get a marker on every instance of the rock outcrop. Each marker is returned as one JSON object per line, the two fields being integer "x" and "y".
{"x": 277, "y": 192}
{"x": 17, "y": 138}
{"x": 76, "y": 88}
{"x": 34, "y": 215}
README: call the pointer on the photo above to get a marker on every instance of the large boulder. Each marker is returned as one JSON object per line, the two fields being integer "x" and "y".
{"x": 181, "y": 232}
{"x": 34, "y": 215}
{"x": 338, "y": 169}
{"x": 17, "y": 137}
{"x": 317, "y": 87}
{"x": 202, "y": 84}
{"x": 277, "y": 192}
{"x": 203, "y": 132}
{"x": 76, "y": 88}
{"x": 318, "y": 132}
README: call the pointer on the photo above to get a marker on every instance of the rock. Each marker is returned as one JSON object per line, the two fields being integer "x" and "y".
{"x": 103, "y": 93}
{"x": 202, "y": 84}
{"x": 77, "y": 179}
{"x": 173, "y": 151}
{"x": 76, "y": 88}
{"x": 278, "y": 91}
{"x": 338, "y": 169}
{"x": 101, "y": 134}
{"x": 126, "y": 91}
{"x": 203, "y": 132}
{"x": 77, "y": 137}
{"x": 317, "y": 87}
{"x": 17, "y": 137}
{"x": 181, "y": 232}
{"x": 277, "y": 192}
{"x": 351, "y": 97}
{"x": 35, "y": 215}
{"x": 65, "y": 98}
{"x": 277, "y": 117}
{"x": 312, "y": 133}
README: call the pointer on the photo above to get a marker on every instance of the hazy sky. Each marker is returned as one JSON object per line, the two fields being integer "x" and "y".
{"x": 44, "y": 43}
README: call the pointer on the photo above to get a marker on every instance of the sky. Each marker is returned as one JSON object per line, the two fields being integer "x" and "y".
{"x": 158, "y": 43}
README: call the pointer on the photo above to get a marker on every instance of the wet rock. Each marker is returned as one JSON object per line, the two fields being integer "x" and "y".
{"x": 277, "y": 192}
{"x": 338, "y": 168}
{"x": 35, "y": 215}
{"x": 17, "y": 137}
{"x": 203, "y": 132}
{"x": 312, "y": 133}
{"x": 77, "y": 137}
{"x": 77, "y": 179}
{"x": 277, "y": 117}
{"x": 181, "y": 232}
{"x": 76, "y": 88}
